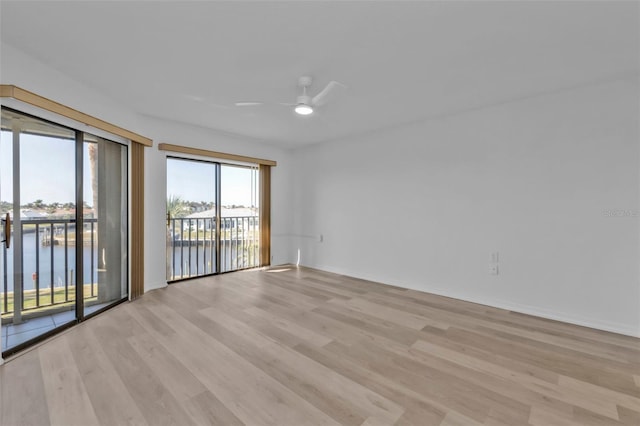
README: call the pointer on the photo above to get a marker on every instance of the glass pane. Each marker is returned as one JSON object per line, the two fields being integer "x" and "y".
{"x": 239, "y": 222}
{"x": 191, "y": 218}
{"x": 104, "y": 234}
{"x": 38, "y": 268}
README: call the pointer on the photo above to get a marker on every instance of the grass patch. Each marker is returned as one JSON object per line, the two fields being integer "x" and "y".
{"x": 59, "y": 296}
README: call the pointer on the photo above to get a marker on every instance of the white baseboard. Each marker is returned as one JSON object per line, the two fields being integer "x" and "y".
{"x": 543, "y": 313}
{"x": 536, "y": 311}
{"x": 154, "y": 286}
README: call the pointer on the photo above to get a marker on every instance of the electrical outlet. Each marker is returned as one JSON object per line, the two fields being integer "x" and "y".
{"x": 493, "y": 269}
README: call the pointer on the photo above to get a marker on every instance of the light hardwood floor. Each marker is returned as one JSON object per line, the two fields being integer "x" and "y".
{"x": 304, "y": 347}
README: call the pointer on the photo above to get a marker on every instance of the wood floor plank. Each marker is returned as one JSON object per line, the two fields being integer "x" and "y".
{"x": 110, "y": 398}
{"x": 309, "y": 291}
{"x": 456, "y": 419}
{"x": 154, "y": 400}
{"x": 575, "y": 364}
{"x": 23, "y": 398}
{"x": 589, "y": 390}
{"x": 589, "y": 401}
{"x": 261, "y": 356}
{"x": 435, "y": 389}
{"x": 169, "y": 370}
{"x": 510, "y": 402}
{"x": 302, "y": 372}
{"x": 296, "y": 346}
{"x": 67, "y": 398}
{"x": 206, "y": 409}
{"x": 396, "y": 316}
{"x": 628, "y": 417}
{"x": 444, "y": 340}
{"x": 497, "y": 397}
{"x": 289, "y": 326}
{"x": 334, "y": 292}
{"x": 419, "y": 409}
{"x": 252, "y": 396}
{"x": 574, "y": 331}
{"x": 509, "y": 325}
{"x": 541, "y": 417}
{"x": 369, "y": 323}
{"x": 624, "y": 362}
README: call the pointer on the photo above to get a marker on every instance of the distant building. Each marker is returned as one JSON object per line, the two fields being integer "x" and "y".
{"x": 225, "y": 212}
{"x": 28, "y": 214}
{"x": 242, "y": 217}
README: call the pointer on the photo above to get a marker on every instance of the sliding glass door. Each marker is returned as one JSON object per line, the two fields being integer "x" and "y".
{"x": 212, "y": 218}
{"x": 192, "y": 201}
{"x": 37, "y": 195}
{"x": 58, "y": 262}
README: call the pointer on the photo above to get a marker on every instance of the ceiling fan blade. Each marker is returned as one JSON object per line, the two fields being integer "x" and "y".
{"x": 203, "y": 100}
{"x": 245, "y": 104}
{"x": 332, "y": 89}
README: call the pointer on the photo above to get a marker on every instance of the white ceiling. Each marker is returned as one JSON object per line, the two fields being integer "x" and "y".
{"x": 402, "y": 61}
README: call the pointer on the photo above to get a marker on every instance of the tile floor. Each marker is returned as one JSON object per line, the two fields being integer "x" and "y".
{"x": 13, "y": 335}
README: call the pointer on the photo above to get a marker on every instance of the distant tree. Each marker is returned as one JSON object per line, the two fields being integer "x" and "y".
{"x": 176, "y": 206}
{"x": 5, "y": 206}
{"x": 38, "y": 204}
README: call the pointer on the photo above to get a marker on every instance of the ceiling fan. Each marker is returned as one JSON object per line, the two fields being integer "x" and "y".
{"x": 305, "y": 104}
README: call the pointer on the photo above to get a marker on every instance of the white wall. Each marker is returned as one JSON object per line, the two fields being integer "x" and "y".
{"x": 424, "y": 206}
{"x": 28, "y": 73}
{"x": 24, "y": 71}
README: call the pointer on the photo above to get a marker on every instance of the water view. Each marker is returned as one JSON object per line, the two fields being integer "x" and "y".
{"x": 37, "y": 259}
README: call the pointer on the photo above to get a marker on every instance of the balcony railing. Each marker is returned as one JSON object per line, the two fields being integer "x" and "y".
{"x": 192, "y": 245}
{"x": 49, "y": 253}
{"x": 48, "y": 264}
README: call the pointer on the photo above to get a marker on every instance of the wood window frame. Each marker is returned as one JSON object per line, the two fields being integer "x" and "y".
{"x": 265, "y": 214}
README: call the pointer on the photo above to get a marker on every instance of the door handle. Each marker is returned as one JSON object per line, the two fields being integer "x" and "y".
{"x": 7, "y": 230}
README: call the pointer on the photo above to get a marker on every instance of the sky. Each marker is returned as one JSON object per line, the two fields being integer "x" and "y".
{"x": 195, "y": 181}
{"x": 47, "y": 169}
{"x": 48, "y": 173}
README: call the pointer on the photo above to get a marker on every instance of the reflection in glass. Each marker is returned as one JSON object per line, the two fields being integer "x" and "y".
{"x": 105, "y": 230}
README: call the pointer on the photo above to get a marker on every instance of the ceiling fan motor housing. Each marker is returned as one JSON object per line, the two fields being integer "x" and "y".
{"x": 303, "y": 99}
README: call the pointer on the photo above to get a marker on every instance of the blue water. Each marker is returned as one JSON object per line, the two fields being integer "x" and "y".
{"x": 45, "y": 272}
{"x": 202, "y": 261}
